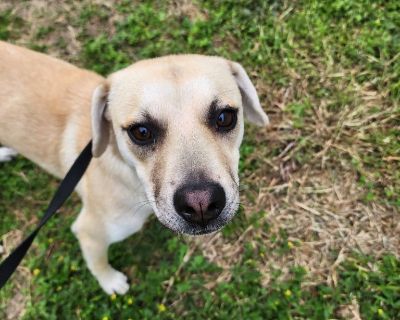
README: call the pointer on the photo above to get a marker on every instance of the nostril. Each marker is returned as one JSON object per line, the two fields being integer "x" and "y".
{"x": 213, "y": 211}
{"x": 189, "y": 210}
{"x": 212, "y": 207}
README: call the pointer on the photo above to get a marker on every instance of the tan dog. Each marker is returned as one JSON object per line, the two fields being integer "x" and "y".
{"x": 166, "y": 135}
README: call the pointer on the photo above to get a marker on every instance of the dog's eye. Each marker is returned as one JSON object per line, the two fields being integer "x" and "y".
{"x": 141, "y": 134}
{"x": 226, "y": 120}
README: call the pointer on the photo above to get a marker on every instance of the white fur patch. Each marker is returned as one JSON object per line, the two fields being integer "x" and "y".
{"x": 6, "y": 154}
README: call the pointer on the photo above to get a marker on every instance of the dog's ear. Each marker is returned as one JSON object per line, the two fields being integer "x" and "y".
{"x": 100, "y": 123}
{"x": 251, "y": 104}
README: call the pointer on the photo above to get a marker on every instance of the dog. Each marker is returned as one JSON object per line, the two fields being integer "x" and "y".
{"x": 166, "y": 134}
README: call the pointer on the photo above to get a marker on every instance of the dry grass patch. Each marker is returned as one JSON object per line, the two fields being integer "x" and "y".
{"x": 187, "y": 8}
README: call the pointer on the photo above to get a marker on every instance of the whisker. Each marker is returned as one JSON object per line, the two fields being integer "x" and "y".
{"x": 139, "y": 205}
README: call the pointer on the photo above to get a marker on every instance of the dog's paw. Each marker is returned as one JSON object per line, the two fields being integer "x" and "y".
{"x": 6, "y": 154}
{"x": 113, "y": 281}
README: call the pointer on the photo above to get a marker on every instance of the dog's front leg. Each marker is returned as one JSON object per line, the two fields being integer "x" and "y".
{"x": 94, "y": 245}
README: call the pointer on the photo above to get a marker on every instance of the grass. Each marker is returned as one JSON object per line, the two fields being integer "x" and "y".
{"x": 318, "y": 234}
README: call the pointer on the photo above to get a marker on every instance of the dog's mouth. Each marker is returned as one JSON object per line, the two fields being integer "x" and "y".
{"x": 203, "y": 231}
{"x": 198, "y": 211}
{"x": 181, "y": 226}
{"x": 194, "y": 230}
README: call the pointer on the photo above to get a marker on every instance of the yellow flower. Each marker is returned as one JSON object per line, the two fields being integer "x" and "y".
{"x": 386, "y": 140}
{"x": 380, "y": 312}
{"x": 105, "y": 318}
{"x": 130, "y": 301}
{"x": 74, "y": 268}
{"x": 36, "y": 272}
{"x": 290, "y": 244}
{"x": 113, "y": 297}
{"x": 288, "y": 293}
{"x": 161, "y": 308}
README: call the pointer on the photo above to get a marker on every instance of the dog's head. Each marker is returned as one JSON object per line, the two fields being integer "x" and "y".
{"x": 178, "y": 121}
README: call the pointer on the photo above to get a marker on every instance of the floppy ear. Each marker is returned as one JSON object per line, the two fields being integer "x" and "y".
{"x": 100, "y": 125}
{"x": 251, "y": 104}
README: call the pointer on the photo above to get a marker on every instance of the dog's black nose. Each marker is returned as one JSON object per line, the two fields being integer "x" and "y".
{"x": 199, "y": 203}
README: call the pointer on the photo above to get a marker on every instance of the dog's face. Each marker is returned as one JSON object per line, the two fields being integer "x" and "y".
{"x": 178, "y": 121}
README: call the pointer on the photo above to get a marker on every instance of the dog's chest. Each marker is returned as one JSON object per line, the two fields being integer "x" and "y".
{"x": 128, "y": 221}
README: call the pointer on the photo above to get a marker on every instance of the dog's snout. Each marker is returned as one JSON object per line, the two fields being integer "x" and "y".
{"x": 200, "y": 203}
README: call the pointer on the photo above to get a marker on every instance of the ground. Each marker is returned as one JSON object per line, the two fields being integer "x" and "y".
{"x": 318, "y": 232}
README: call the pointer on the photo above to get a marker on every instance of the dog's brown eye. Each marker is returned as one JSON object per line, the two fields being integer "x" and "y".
{"x": 141, "y": 134}
{"x": 226, "y": 120}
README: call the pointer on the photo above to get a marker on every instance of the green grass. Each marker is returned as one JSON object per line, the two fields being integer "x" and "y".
{"x": 333, "y": 56}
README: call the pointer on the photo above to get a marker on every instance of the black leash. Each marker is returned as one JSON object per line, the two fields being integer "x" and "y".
{"x": 67, "y": 186}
